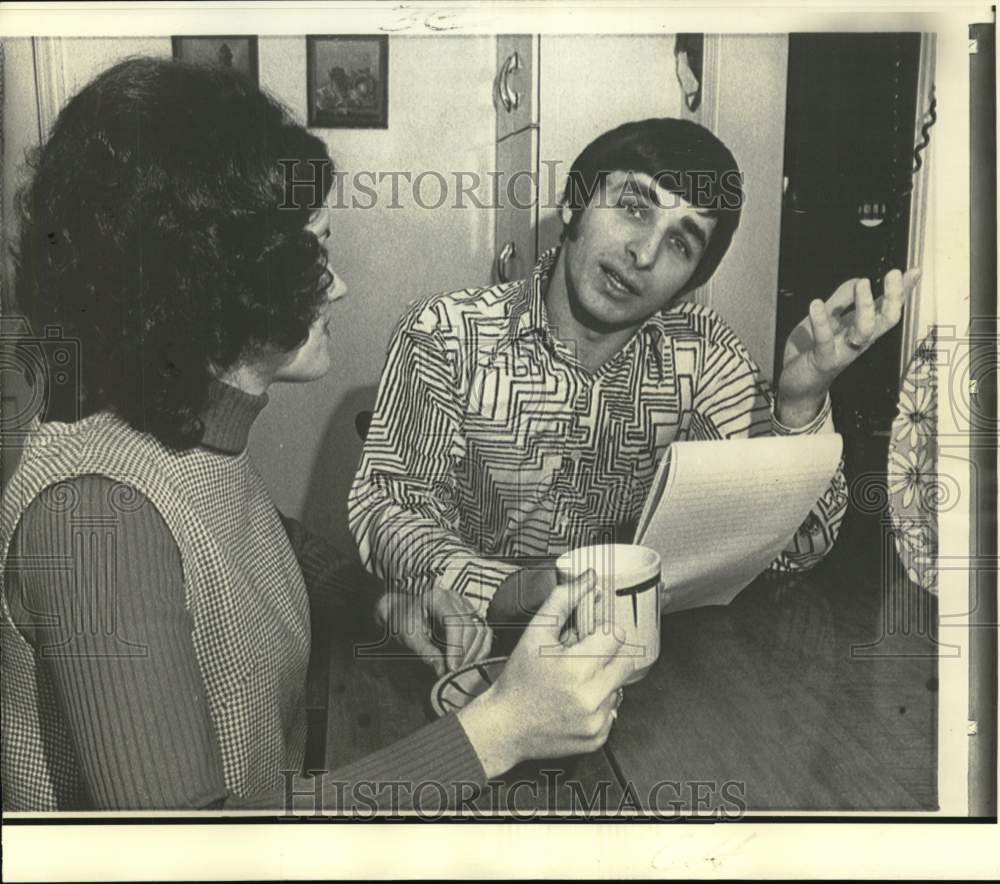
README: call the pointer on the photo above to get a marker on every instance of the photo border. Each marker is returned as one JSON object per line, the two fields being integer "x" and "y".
{"x": 900, "y": 847}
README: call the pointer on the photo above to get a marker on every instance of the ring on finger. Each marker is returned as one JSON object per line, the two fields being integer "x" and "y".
{"x": 854, "y": 345}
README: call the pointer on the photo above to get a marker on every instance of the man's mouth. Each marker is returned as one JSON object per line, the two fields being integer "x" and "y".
{"x": 618, "y": 283}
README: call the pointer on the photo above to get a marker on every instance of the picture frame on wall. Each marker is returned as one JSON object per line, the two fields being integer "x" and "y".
{"x": 233, "y": 51}
{"x": 347, "y": 81}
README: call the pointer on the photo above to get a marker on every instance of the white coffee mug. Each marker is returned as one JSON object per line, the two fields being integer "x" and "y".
{"x": 629, "y": 577}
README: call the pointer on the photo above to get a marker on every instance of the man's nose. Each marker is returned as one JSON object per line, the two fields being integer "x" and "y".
{"x": 642, "y": 249}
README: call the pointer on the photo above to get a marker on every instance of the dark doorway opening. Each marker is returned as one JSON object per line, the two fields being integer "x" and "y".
{"x": 849, "y": 160}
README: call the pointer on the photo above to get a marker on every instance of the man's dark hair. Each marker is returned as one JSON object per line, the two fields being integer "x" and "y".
{"x": 151, "y": 232}
{"x": 683, "y": 158}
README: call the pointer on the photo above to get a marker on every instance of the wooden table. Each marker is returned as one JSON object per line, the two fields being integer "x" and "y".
{"x": 815, "y": 692}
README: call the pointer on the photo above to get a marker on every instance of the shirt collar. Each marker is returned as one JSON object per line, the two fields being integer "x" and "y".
{"x": 529, "y": 317}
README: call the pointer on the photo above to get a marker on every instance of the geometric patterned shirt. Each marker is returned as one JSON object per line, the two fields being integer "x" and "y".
{"x": 491, "y": 445}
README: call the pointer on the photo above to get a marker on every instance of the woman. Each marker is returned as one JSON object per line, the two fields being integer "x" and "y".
{"x": 155, "y": 617}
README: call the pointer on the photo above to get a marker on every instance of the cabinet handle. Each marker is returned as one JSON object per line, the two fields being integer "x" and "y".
{"x": 509, "y": 98}
{"x": 507, "y": 254}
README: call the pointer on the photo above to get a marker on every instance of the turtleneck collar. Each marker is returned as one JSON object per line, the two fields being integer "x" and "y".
{"x": 228, "y": 417}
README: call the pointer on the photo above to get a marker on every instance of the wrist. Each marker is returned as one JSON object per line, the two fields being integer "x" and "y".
{"x": 798, "y": 412}
{"x": 488, "y": 728}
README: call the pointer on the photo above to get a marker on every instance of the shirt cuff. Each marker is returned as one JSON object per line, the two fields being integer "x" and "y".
{"x": 477, "y": 579}
{"x": 822, "y": 423}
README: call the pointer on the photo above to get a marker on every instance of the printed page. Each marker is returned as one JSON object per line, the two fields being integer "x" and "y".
{"x": 719, "y": 512}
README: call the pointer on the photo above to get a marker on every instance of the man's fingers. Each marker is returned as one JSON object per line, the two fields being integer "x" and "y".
{"x": 910, "y": 279}
{"x": 481, "y": 643}
{"x": 822, "y": 330}
{"x": 429, "y": 652}
{"x": 864, "y": 315}
{"x": 459, "y": 638}
{"x": 842, "y": 299}
{"x": 897, "y": 287}
{"x": 467, "y": 638}
{"x": 891, "y": 303}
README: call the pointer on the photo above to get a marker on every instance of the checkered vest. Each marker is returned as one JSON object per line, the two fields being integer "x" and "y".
{"x": 243, "y": 587}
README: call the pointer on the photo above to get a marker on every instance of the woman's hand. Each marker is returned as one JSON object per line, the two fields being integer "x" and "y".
{"x": 551, "y": 700}
{"x": 831, "y": 337}
{"x": 441, "y": 627}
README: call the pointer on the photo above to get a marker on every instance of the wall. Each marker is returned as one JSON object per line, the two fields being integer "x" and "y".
{"x": 20, "y": 128}
{"x": 589, "y": 84}
{"x": 20, "y": 132}
{"x": 440, "y": 119}
{"x": 745, "y": 80}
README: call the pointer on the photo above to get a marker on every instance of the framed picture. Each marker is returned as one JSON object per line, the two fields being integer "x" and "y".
{"x": 236, "y": 52}
{"x": 347, "y": 79}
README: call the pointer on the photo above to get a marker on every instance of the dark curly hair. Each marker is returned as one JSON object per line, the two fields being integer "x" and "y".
{"x": 681, "y": 156}
{"x": 154, "y": 232}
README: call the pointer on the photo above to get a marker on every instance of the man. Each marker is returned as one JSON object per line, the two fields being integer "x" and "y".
{"x": 518, "y": 421}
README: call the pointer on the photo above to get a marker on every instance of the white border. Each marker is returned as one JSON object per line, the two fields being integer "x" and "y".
{"x": 558, "y": 850}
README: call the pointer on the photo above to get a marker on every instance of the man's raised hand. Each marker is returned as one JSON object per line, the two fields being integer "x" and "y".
{"x": 832, "y": 336}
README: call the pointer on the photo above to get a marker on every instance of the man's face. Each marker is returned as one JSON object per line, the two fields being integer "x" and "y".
{"x": 634, "y": 248}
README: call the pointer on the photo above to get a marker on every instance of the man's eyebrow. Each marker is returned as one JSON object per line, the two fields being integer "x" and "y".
{"x": 695, "y": 231}
{"x": 687, "y": 223}
{"x": 641, "y": 188}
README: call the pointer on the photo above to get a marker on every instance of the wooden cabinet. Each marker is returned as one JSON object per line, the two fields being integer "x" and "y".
{"x": 515, "y": 97}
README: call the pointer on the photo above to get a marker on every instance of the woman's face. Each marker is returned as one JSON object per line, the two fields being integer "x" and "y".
{"x": 312, "y": 359}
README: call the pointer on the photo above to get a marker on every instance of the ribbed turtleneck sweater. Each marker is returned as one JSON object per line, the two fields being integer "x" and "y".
{"x": 140, "y": 725}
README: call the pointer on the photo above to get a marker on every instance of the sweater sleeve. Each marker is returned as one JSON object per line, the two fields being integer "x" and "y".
{"x": 116, "y": 637}
{"x": 434, "y": 768}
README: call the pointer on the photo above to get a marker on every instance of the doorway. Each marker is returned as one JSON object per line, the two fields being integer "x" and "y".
{"x": 848, "y": 176}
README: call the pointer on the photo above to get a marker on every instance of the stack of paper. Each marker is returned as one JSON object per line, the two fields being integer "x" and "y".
{"x": 719, "y": 512}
